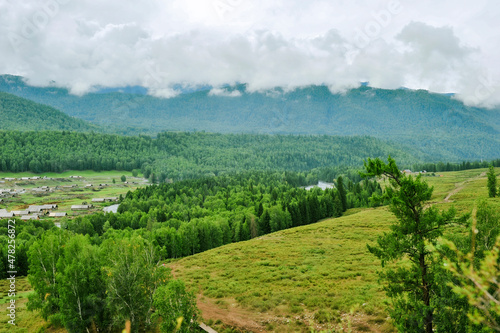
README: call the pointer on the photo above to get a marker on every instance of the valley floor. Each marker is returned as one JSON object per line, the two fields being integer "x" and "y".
{"x": 319, "y": 276}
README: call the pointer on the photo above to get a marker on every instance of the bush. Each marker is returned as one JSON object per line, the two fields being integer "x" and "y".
{"x": 176, "y": 307}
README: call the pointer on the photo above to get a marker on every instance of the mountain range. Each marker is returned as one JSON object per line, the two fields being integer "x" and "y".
{"x": 436, "y": 125}
{"x": 17, "y": 113}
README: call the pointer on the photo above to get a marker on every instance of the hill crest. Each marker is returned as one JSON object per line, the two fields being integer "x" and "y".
{"x": 435, "y": 123}
{"x": 25, "y": 115}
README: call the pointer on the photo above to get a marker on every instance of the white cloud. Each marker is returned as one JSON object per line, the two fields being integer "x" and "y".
{"x": 224, "y": 92}
{"x": 446, "y": 46}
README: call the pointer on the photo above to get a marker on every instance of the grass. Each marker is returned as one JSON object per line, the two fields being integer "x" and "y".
{"x": 26, "y": 321}
{"x": 321, "y": 268}
{"x": 318, "y": 276}
{"x": 63, "y": 197}
{"x": 314, "y": 275}
{"x": 470, "y": 186}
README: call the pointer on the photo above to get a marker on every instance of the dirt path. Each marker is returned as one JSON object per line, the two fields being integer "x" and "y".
{"x": 232, "y": 315}
{"x": 249, "y": 321}
{"x": 460, "y": 186}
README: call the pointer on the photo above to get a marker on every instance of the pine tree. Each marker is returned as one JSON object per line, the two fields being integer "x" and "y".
{"x": 413, "y": 286}
{"x": 260, "y": 210}
{"x": 492, "y": 182}
{"x": 265, "y": 223}
{"x": 342, "y": 193}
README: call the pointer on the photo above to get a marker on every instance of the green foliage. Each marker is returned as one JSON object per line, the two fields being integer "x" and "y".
{"x": 174, "y": 305}
{"x": 480, "y": 287}
{"x": 180, "y": 156}
{"x": 492, "y": 182}
{"x": 132, "y": 276}
{"x": 123, "y": 178}
{"x": 43, "y": 257}
{"x": 21, "y": 114}
{"x": 342, "y": 193}
{"x": 412, "y": 285}
{"x": 192, "y": 216}
{"x": 465, "y": 165}
{"x": 27, "y": 233}
{"x": 437, "y": 120}
{"x": 487, "y": 229}
{"x": 289, "y": 270}
{"x": 476, "y": 268}
{"x": 81, "y": 286}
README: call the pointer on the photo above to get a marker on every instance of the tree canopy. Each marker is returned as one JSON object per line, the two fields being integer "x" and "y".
{"x": 413, "y": 283}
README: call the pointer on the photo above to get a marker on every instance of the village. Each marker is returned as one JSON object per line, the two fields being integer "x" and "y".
{"x": 41, "y": 197}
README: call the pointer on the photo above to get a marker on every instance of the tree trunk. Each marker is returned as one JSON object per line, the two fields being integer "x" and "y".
{"x": 426, "y": 295}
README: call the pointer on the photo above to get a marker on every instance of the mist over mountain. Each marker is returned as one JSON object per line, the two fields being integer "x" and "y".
{"x": 437, "y": 124}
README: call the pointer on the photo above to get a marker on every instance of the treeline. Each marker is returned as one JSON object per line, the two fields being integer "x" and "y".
{"x": 48, "y": 151}
{"x": 192, "y": 216}
{"x": 442, "y": 127}
{"x": 441, "y": 166}
{"x": 184, "y": 155}
{"x": 100, "y": 269}
{"x": 85, "y": 286}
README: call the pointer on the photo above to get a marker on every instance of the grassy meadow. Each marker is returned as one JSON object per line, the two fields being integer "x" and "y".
{"x": 310, "y": 275}
{"x": 319, "y": 276}
{"x": 26, "y": 321}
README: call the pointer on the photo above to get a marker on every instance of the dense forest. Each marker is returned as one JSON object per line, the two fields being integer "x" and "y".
{"x": 111, "y": 260}
{"x": 17, "y": 113}
{"x": 98, "y": 270}
{"x": 465, "y": 165}
{"x": 214, "y": 189}
{"x": 191, "y": 216}
{"x": 86, "y": 286}
{"x": 186, "y": 155}
{"x": 438, "y": 124}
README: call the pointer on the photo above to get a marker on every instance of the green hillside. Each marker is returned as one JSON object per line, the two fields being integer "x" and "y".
{"x": 308, "y": 278}
{"x": 319, "y": 275}
{"x": 439, "y": 124}
{"x": 188, "y": 155}
{"x": 24, "y": 115}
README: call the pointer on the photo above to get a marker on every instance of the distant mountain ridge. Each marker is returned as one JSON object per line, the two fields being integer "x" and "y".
{"x": 18, "y": 113}
{"x": 436, "y": 124}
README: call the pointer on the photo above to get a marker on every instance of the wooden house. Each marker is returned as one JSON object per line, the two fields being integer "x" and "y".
{"x": 81, "y": 207}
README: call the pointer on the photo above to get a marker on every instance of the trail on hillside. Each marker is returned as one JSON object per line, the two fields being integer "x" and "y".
{"x": 230, "y": 313}
{"x": 460, "y": 186}
{"x": 249, "y": 321}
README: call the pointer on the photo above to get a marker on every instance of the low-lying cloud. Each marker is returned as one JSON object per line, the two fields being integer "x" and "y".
{"x": 447, "y": 47}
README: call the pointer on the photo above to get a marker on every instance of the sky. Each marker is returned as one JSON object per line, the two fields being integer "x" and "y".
{"x": 445, "y": 46}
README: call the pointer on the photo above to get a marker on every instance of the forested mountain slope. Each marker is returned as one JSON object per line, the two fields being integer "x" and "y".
{"x": 22, "y": 114}
{"x": 186, "y": 155}
{"x": 439, "y": 124}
